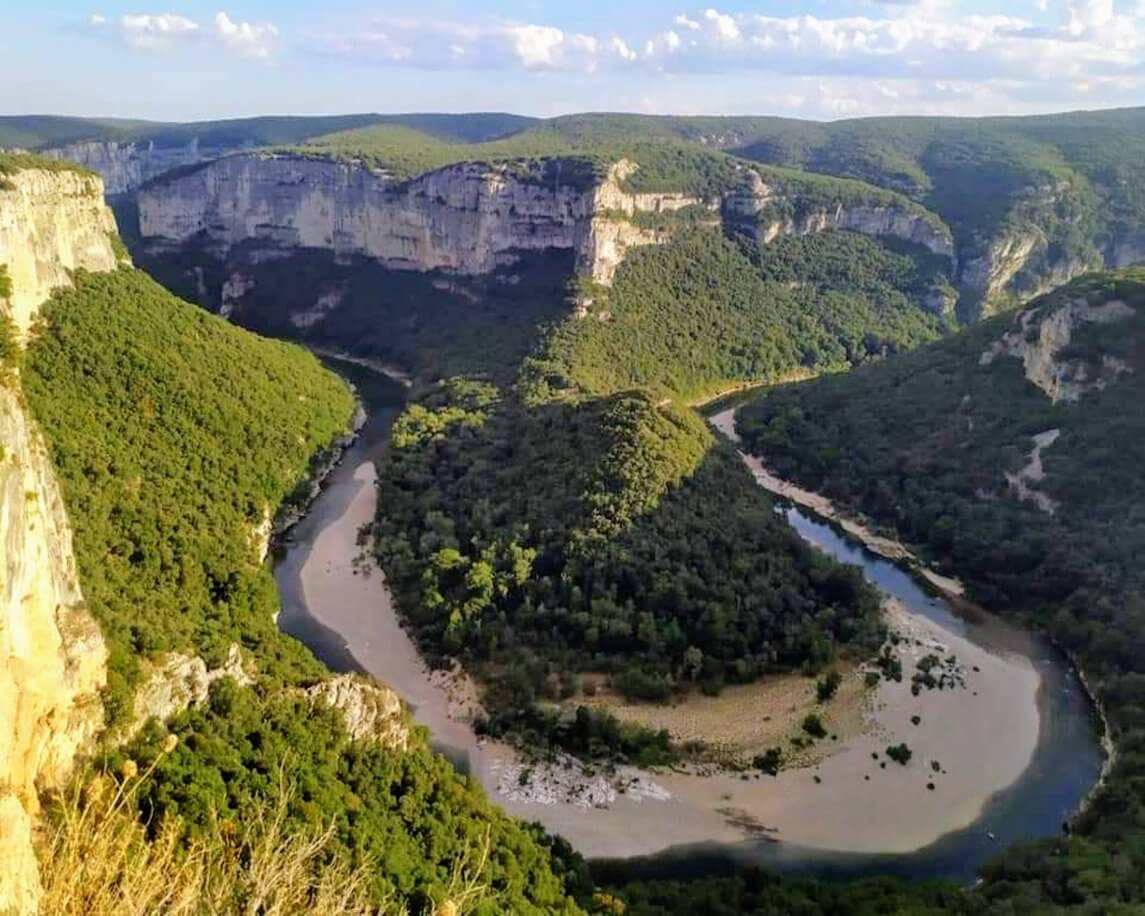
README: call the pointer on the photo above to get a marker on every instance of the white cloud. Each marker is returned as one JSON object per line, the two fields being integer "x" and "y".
{"x": 928, "y": 39}
{"x": 256, "y": 38}
{"x": 149, "y": 30}
{"x": 436, "y": 45}
{"x": 159, "y": 31}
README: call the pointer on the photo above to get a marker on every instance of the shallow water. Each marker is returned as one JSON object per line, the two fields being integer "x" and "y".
{"x": 1065, "y": 765}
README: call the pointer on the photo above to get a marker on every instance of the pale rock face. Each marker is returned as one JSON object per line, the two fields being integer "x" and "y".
{"x": 1023, "y": 484}
{"x": 1127, "y": 251}
{"x": 1038, "y": 346}
{"x": 125, "y": 166}
{"x": 52, "y": 657}
{"x": 371, "y": 712}
{"x": 877, "y": 220}
{"x": 176, "y": 682}
{"x": 464, "y": 219}
{"x": 325, "y": 303}
{"x": 53, "y": 661}
{"x": 235, "y": 287}
{"x": 51, "y": 222}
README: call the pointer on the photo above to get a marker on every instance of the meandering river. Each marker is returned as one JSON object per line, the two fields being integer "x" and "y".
{"x": 1014, "y": 778}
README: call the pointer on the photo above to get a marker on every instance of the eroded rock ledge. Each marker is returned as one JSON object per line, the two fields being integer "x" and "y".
{"x": 471, "y": 218}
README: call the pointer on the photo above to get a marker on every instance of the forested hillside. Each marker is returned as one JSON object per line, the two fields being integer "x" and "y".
{"x": 1010, "y": 455}
{"x": 705, "y": 313}
{"x": 175, "y": 435}
{"x": 1031, "y": 200}
{"x": 551, "y": 511}
{"x": 45, "y": 131}
{"x": 580, "y": 520}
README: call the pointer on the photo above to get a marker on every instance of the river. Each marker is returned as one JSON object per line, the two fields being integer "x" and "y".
{"x": 1011, "y": 780}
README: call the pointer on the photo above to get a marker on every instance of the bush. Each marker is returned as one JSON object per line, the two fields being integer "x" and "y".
{"x": 900, "y": 754}
{"x": 769, "y": 762}
{"x": 813, "y": 725}
{"x": 827, "y": 687}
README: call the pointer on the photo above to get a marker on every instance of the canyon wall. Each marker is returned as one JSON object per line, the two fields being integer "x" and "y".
{"x": 51, "y": 223}
{"x": 465, "y": 219}
{"x": 125, "y": 166}
{"x": 768, "y": 212}
{"x": 52, "y": 656}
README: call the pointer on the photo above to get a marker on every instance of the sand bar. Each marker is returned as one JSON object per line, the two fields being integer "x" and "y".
{"x": 983, "y": 735}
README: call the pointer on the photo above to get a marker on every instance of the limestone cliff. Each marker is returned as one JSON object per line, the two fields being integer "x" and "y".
{"x": 463, "y": 219}
{"x": 1040, "y": 336}
{"x": 472, "y": 218}
{"x": 125, "y": 166}
{"x": 769, "y": 211}
{"x": 371, "y": 712}
{"x": 52, "y": 656}
{"x": 51, "y": 222}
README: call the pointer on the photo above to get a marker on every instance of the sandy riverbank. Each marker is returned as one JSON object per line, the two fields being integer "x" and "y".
{"x": 982, "y": 736}
{"x": 821, "y": 505}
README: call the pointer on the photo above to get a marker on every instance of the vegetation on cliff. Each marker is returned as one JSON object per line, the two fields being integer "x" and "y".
{"x": 705, "y": 313}
{"x": 10, "y": 163}
{"x": 1070, "y": 184}
{"x": 406, "y": 817}
{"x": 175, "y": 436}
{"x": 580, "y": 521}
{"x": 603, "y": 535}
{"x": 923, "y": 444}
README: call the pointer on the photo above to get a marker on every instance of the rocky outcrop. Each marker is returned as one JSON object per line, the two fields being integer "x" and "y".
{"x": 1039, "y": 337}
{"x": 465, "y": 219}
{"x": 53, "y": 661}
{"x": 752, "y": 207}
{"x": 991, "y": 279}
{"x": 1126, "y": 251}
{"x": 125, "y": 166}
{"x": 470, "y": 218}
{"x": 51, "y": 223}
{"x": 371, "y": 712}
{"x": 52, "y": 657}
{"x": 176, "y": 681}
{"x": 1023, "y": 484}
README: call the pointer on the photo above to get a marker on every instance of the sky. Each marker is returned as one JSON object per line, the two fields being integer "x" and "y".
{"x": 180, "y": 60}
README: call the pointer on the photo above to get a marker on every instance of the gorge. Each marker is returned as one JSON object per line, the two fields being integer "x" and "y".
{"x": 540, "y": 549}
{"x": 1023, "y": 787}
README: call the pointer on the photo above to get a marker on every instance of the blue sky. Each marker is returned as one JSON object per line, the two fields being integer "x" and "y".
{"x": 182, "y": 60}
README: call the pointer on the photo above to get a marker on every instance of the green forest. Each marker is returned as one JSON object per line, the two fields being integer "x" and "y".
{"x": 173, "y": 433}
{"x": 579, "y": 519}
{"x": 606, "y": 535}
{"x": 704, "y": 313}
{"x": 921, "y": 444}
{"x": 551, "y": 508}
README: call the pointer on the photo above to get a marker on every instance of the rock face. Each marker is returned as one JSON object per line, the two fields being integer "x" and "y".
{"x": 750, "y": 205}
{"x": 371, "y": 712}
{"x": 52, "y": 656}
{"x": 178, "y": 681}
{"x": 1038, "y": 339}
{"x": 463, "y": 219}
{"x": 51, "y": 222}
{"x": 1017, "y": 265}
{"x": 125, "y": 166}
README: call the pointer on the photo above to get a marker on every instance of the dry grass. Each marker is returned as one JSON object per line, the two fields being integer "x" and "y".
{"x": 97, "y": 859}
{"x": 745, "y": 720}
